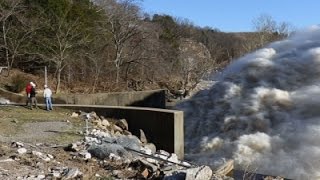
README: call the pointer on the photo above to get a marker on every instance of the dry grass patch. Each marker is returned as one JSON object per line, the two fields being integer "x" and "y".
{"x": 22, "y": 124}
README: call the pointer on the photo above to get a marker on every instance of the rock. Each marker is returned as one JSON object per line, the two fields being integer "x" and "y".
{"x": 41, "y": 176}
{"x": 71, "y": 173}
{"x": 90, "y": 140}
{"x": 173, "y": 158}
{"x": 74, "y": 115}
{"x": 104, "y": 150}
{"x": 151, "y": 160}
{"x": 41, "y": 155}
{"x": 94, "y": 115}
{"x": 123, "y": 124}
{"x": 72, "y": 147}
{"x": 14, "y": 121}
{"x": 186, "y": 163}
{"x": 40, "y": 165}
{"x": 145, "y": 173}
{"x": 131, "y": 142}
{"x": 56, "y": 174}
{"x": 150, "y": 166}
{"x": 124, "y": 174}
{"x": 199, "y": 173}
{"x": 176, "y": 176}
{"x": 100, "y": 134}
{"x": 50, "y": 156}
{"x": 143, "y": 137}
{"x": 85, "y": 155}
{"x": 127, "y": 133}
{"x": 151, "y": 147}
{"x": 164, "y": 153}
{"x": 146, "y": 151}
{"x": 105, "y": 123}
{"x": 117, "y": 128}
{"x": 7, "y": 160}
{"x": 22, "y": 150}
{"x": 114, "y": 157}
{"x": 17, "y": 144}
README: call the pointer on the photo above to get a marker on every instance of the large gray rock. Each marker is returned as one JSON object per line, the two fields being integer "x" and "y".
{"x": 103, "y": 151}
{"x": 131, "y": 142}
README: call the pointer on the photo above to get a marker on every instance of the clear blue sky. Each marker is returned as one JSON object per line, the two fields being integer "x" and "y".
{"x": 237, "y": 15}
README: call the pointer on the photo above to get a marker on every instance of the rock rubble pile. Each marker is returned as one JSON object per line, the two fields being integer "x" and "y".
{"x": 108, "y": 150}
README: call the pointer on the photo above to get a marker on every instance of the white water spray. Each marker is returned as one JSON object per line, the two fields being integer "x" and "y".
{"x": 263, "y": 112}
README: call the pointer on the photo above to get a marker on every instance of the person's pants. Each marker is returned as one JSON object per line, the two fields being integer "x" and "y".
{"x": 48, "y": 103}
{"x": 33, "y": 101}
{"x": 28, "y": 101}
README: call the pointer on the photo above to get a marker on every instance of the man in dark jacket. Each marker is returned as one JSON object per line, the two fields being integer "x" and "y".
{"x": 33, "y": 95}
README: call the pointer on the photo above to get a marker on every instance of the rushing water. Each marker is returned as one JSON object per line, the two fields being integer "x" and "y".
{"x": 263, "y": 111}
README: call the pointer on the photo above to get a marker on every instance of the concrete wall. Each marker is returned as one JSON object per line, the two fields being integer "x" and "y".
{"x": 153, "y": 98}
{"x": 162, "y": 127}
{"x": 14, "y": 97}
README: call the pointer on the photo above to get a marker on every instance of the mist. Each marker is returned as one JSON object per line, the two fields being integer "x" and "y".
{"x": 263, "y": 111}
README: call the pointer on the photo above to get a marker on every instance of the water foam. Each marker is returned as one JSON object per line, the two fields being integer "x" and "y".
{"x": 263, "y": 111}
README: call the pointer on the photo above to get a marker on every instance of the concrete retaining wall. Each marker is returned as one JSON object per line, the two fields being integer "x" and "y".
{"x": 154, "y": 98}
{"x": 162, "y": 127}
{"x": 13, "y": 97}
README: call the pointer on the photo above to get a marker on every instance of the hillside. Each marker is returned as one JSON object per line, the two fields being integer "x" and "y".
{"x": 110, "y": 46}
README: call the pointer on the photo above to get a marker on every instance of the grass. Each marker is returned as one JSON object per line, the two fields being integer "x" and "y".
{"x": 14, "y": 119}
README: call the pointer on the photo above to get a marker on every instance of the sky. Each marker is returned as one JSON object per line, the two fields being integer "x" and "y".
{"x": 237, "y": 15}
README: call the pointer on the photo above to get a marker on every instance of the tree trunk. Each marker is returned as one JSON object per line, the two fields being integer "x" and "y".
{"x": 6, "y": 44}
{"x": 58, "y": 81}
{"x": 117, "y": 75}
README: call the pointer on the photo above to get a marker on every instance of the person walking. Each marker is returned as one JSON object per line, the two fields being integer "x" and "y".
{"x": 28, "y": 91}
{"x": 47, "y": 93}
{"x": 33, "y": 95}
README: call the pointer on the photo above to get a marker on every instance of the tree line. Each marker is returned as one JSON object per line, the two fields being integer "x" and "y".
{"x": 112, "y": 45}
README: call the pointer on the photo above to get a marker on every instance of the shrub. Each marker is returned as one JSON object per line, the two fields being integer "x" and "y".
{"x": 18, "y": 83}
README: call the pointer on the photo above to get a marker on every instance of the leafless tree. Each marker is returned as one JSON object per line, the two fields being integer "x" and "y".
{"x": 96, "y": 56}
{"x": 268, "y": 30}
{"x": 60, "y": 46}
{"x": 122, "y": 23}
{"x": 195, "y": 63}
{"x": 16, "y": 29}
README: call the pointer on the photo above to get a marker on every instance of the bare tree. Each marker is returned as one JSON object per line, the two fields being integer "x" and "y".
{"x": 265, "y": 26}
{"x": 122, "y": 24}
{"x": 58, "y": 44}
{"x": 96, "y": 55}
{"x": 266, "y": 30}
{"x": 195, "y": 63}
{"x": 264, "y": 23}
{"x": 16, "y": 29}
